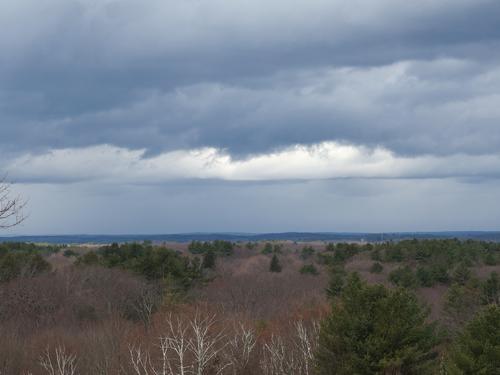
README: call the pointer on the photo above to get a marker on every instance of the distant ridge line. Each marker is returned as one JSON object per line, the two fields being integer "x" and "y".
{"x": 284, "y": 236}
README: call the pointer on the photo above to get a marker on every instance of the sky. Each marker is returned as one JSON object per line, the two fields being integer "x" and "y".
{"x": 171, "y": 116}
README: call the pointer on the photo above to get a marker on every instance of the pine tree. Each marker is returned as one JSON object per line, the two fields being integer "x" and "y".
{"x": 491, "y": 290}
{"x": 209, "y": 259}
{"x": 336, "y": 282}
{"x": 275, "y": 264}
{"x": 374, "y": 330}
{"x": 477, "y": 349}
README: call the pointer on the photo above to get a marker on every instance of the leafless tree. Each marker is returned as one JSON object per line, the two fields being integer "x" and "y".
{"x": 305, "y": 344}
{"x": 280, "y": 357}
{"x": 11, "y": 207}
{"x": 185, "y": 349}
{"x": 141, "y": 361}
{"x": 205, "y": 346}
{"x": 59, "y": 363}
{"x": 149, "y": 297}
{"x": 240, "y": 348}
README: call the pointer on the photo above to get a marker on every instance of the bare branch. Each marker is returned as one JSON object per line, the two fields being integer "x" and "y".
{"x": 11, "y": 208}
{"x": 58, "y": 363}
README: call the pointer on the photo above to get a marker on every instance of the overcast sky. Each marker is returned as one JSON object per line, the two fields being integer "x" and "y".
{"x": 163, "y": 116}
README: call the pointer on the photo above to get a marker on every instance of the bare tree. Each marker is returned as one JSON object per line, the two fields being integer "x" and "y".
{"x": 11, "y": 208}
{"x": 59, "y": 363}
{"x": 149, "y": 298}
{"x": 280, "y": 357}
{"x": 186, "y": 349}
{"x": 141, "y": 361}
{"x": 206, "y": 346}
{"x": 240, "y": 348}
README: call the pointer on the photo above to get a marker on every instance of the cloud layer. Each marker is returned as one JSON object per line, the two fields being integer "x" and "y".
{"x": 387, "y": 100}
{"x": 250, "y": 76}
{"x": 327, "y": 160}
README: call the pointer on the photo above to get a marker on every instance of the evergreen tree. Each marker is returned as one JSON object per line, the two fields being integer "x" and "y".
{"x": 491, "y": 290}
{"x": 268, "y": 248}
{"x": 477, "y": 349}
{"x": 373, "y": 330}
{"x": 404, "y": 277}
{"x": 209, "y": 259}
{"x": 460, "y": 305}
{"x": 275, "y": 264}
{"x": 309, "y": 269}
{"x": 462, "y": 274}
{"x": 336, "y": 282}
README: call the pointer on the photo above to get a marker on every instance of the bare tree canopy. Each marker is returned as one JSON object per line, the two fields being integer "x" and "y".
{"x": 11, "y": 207}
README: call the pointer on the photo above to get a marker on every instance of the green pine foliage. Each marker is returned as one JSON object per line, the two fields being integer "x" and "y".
{"x": 373, "y": 330}
{"x": 209, "y": 259}
{"x": 462, "y": 274}
{"x": 309, "y": 269}
{"x": 268, "y": 248}
{"x": 491, "y": 290}
{"x": 220, "y": 247}
{"x": 275, "y": 265}
{"x": 476, "y": 351}
{"x": 307, "y": 252}
{"x": 21, "y": 264}
{"x": 446, "y": 253}
{"x": 336, "y": 282}
{"x": 18, "y": 259}
{"x": 154, "y": 263}
{"x": 460, "y": 305}
{"x": 403, "y": 277}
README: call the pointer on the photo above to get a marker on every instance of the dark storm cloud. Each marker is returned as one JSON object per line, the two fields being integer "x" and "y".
{"x": 250, "y": 76}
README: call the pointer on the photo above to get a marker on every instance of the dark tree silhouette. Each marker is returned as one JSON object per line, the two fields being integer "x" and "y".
{"x": 275, "y": 265}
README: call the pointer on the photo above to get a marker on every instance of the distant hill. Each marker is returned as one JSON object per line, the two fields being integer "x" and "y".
{"x": 287, "y": 236}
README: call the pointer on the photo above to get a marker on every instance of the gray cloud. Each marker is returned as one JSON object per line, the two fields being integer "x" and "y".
{"x": 435, "y": 107}
{"x": 105, "y": 101}
{"x": 249, "y": 77}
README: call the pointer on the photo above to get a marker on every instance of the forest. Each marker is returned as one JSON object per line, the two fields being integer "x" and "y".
{"x": 270, "y": 308}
